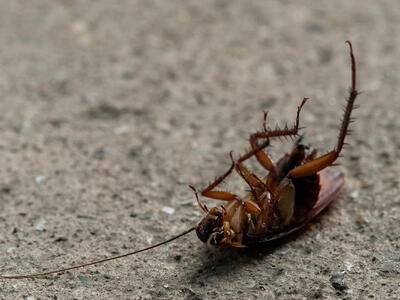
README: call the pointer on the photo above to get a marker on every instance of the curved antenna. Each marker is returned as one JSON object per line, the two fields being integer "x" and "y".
{"x": 97, "y": 261}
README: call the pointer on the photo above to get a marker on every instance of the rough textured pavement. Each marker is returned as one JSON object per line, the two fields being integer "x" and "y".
{"x": 109, "y": 109}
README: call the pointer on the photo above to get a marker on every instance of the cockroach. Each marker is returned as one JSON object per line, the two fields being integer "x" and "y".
{"x": 295, "y": 190}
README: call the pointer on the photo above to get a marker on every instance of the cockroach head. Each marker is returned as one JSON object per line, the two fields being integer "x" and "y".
{"x": 209, "y": 229}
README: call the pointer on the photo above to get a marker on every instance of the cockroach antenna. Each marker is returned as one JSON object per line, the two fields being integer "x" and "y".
{"x": 97, "y": 261}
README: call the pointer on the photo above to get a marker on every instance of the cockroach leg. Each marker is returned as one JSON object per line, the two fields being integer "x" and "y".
{"x": 247, "y": 177}
{"x": 219, "y": 195}
{"x": 202, "y": 206}
{"x": 262, "y": 156}
{"x": 254, "y": 151}
{"x": 251, "y": 179}
{"x": 226, "y": 196}
{"x": 329, "y": 158}
{"x": 235, "y": 245}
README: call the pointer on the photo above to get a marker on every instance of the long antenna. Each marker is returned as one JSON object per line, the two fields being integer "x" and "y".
{"x": 97, "y": 261}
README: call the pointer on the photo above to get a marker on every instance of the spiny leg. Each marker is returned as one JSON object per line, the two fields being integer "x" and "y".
{"x": 219, "y": 195}
{"x": 251, "y": 179}
{"x": 226, "y": 196}
{"x": 202, "y": 206}
{"x": 253, "y": 182}
{"x": 256, "y": 150}
{"x": 326, "y": 160}
{"x": 262, "y": 156}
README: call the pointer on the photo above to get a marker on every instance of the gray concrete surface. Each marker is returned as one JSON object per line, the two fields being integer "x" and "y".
{"x": 109, "y": 109}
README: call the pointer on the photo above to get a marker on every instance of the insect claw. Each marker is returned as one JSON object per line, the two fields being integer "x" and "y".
{"x": 304, "y": 101}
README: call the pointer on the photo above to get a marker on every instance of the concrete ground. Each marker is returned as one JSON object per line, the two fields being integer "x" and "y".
{"x": 109, "y": 109}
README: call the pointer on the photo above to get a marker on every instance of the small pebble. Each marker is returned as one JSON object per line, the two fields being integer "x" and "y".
{"x": 354, "y": 194}
{"x": 168, "y": 210}
{"x": 40, "y": 225}
{"x": 349, "y": 265}
{"x": 360, "y": 220}
{"x": 39, "y": 179}
{"x": 337, "y": 281}
{"x": 283, "y": 252}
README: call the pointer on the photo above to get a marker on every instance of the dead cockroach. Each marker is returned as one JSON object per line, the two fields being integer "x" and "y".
{"x": 296, "y": 189}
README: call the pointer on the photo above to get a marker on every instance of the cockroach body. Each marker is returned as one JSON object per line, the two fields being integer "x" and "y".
{"x": 296, "y": 189}
{"x": 267, "y": 214}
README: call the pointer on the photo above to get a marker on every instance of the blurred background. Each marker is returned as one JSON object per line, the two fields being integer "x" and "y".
{"x": 110, "y": 109}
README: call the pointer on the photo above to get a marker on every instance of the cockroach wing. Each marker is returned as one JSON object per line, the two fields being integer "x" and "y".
{"x": 331, "y": 182}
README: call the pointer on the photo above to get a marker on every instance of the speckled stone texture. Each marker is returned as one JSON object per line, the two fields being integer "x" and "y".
{"x": 109, "y": 109}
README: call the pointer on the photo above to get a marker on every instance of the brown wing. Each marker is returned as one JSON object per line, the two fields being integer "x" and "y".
{"x": 331, "y": 182}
